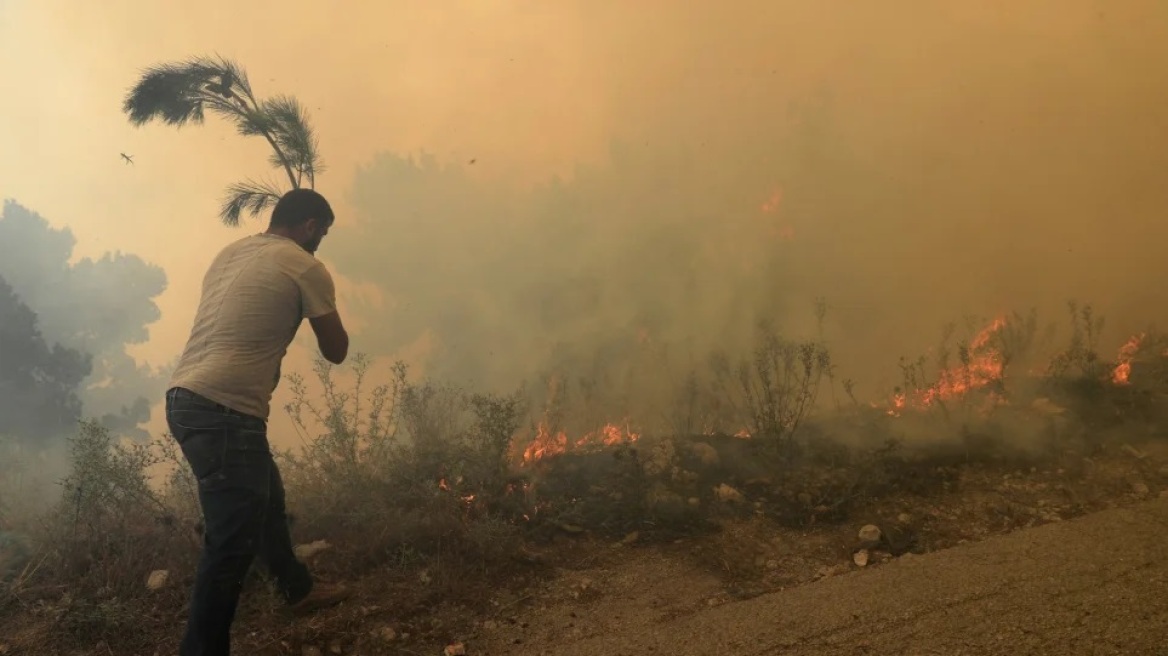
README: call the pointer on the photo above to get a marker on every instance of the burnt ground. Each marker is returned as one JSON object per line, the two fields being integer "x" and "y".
{"x": 610, "y": 555}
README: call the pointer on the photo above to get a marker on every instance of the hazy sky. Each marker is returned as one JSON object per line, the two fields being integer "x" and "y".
{"x": 1015, "y": 150}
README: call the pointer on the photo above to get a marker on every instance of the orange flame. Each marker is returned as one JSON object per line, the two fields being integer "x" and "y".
{"x": 546, "y": 444}
{"x": 445, "y": 487}
{"x": 783, "y": 229}
{"x": 771, "y": 204}
{"x": 985, "y": 366}
{"x": 1127, "y": 352}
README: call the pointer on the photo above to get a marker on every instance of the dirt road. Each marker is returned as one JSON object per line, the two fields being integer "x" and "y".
{"x": 1096, "y": 585}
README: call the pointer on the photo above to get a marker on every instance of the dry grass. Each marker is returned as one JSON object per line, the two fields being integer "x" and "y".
{"x": 416, "y": 486}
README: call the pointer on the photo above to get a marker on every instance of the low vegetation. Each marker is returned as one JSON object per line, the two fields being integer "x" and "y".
{"x": 429, "y": 494}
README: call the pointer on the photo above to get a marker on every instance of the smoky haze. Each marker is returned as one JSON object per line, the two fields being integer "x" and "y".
{"x": 910, "y": 167}
{"x": 655, "y": 173}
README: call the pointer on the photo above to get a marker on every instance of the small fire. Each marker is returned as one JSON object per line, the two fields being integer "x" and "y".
{"x": 545, "y": 444}
{"x": 985, "y": 366}
{"x": 1127, "y": 352}
{"x": 771, "y": 204}
{"x": 899, "y": 403}
{"x": 783, "y": 229}
{"x": 742, "y": 434}
{"x": 548, "y": 444}
{"x": 445, "y": 487}
{"x": 524, "y": 488}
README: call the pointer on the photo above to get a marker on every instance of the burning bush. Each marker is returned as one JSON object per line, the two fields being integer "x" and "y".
{"x": 421, "y": 479}
{"x": 736, "y": 423}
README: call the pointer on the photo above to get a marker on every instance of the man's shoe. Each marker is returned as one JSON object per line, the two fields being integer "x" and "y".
{"x": 323, "y": 595}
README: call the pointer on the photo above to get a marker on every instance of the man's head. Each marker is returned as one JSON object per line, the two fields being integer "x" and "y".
{"x": 304, "y": 216}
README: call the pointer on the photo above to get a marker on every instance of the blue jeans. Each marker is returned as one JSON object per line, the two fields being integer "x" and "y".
{"x": 242, "y": 498}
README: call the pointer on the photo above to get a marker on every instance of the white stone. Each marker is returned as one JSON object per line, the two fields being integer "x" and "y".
{"x": 307, "y": 551}
{"x": 728, "y": 494}
{"x": 860, "y": 558}
{"x": 157, "y": 579}
{"x": 870, "y": 535}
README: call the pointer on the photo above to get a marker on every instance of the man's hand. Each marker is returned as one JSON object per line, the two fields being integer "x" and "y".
{"x": 331, "y": 337}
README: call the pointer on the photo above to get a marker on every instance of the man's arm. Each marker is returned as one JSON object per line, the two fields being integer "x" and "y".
{"x": 319, "y": 305}
{"x": 331, "y": 337}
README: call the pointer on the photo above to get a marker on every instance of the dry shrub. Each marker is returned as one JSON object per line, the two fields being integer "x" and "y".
{"x": 773, "y": 390}
{"x": 612, "y": 492}
{"x": 663, "y": 487}
{"x": 94, "y": 550}
{"x": 1079, "y": 360}
{"x": 418, "y": 476}
{"x": 1082, "y": 381}
{"x": 403, "y": 474}
{"x": 406, "y": 476}
{"x": 766, "y": 392}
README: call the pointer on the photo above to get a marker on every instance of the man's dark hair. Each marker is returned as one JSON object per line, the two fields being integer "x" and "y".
{"x": 300, "y": 205}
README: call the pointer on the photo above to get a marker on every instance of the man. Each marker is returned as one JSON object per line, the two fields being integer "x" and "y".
{"x": 255, "y": 295}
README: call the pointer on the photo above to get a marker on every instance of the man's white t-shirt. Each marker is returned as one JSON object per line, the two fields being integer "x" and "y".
{"x": 255, "y": 295}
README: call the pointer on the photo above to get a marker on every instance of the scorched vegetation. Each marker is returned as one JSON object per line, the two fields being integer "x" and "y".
{"x": 431, "y": 500}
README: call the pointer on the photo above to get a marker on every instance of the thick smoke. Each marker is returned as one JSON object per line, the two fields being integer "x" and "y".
{"x": 97, "y": 307}
{"x": 506, "y": 282}
{"x": 946, "y": 166}
{"x": 918, "y": 162}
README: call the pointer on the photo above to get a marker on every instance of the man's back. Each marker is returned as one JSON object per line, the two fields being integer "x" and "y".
{"x": 255, "y": 295}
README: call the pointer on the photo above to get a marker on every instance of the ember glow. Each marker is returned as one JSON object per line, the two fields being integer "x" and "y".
{"x": 781, "y": 229}
{"x": 985, "y": 366}
{"x": 742, "y": 434}
{"x": 466, "y": 498}
{"x": 548, "y": 444}
{"x": 1122, "y": 373}
{"x": 772, "y": 204}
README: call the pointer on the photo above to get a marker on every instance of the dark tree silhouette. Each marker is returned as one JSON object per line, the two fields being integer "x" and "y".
{"x": 178, "y": 93}
{"x": 38, "y": 383}
{"x": 99, "y": 306}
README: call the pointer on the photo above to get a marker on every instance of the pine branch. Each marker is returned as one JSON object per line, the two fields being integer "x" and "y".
{"x": 250, "y": 196}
